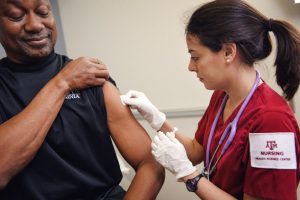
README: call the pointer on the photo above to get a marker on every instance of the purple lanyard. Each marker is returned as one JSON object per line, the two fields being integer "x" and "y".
{"x": 232, "y": 125}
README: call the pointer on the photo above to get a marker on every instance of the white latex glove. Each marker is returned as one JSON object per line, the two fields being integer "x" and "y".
{"x": 171, "y": 154}
{"x": 138, "y": 100}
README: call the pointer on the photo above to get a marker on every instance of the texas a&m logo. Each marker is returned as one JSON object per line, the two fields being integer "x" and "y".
{"x": 269, "y": 150}
{"x": 271, "y": 145}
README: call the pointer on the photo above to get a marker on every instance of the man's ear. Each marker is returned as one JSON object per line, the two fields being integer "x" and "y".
{"x": 229, "y": 50}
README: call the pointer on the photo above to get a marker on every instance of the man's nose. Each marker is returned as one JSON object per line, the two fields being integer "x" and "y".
{"x": 33, "y": 23}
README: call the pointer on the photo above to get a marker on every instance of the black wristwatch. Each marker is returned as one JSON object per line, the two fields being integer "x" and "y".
{"x": 191, "y": 184}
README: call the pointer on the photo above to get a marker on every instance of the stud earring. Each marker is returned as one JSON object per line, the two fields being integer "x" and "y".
{"x": 227, "y": 60}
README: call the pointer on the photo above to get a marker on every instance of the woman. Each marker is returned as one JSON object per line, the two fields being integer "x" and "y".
{"x": 248, "y": 137}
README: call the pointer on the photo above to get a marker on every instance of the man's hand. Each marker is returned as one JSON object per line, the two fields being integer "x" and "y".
{"x": 138, "y": 100}
{"x": 171, "y": 154}
{"x": 83, "y": 72}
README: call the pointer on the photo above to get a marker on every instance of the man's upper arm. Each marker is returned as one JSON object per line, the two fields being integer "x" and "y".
{"x": 129, "y": 136}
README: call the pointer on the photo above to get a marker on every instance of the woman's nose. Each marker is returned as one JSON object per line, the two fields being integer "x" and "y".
{"x": 191, "y": 67}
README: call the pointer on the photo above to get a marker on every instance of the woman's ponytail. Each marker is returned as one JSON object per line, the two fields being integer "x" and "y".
{"x": 287, "y": 60}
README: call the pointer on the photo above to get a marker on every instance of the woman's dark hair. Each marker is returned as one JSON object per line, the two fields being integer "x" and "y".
{"x": 225, "y": 21}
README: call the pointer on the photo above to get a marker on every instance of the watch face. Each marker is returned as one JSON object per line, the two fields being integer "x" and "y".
{"x": 191, "y": 186}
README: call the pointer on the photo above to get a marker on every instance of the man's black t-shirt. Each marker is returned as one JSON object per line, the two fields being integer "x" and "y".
{"x": 77, "y": 159}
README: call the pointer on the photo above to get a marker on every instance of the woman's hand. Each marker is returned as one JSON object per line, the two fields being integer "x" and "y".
{"x": 171, "y": 154}
{"x": 139, "y": 101}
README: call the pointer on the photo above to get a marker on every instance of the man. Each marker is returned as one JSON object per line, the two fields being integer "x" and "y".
{"x": 56, "y": 122}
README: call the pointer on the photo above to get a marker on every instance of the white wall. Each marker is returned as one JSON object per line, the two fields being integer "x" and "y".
{"x": 143, "y": 44}
{"x": 141, "y": 41}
